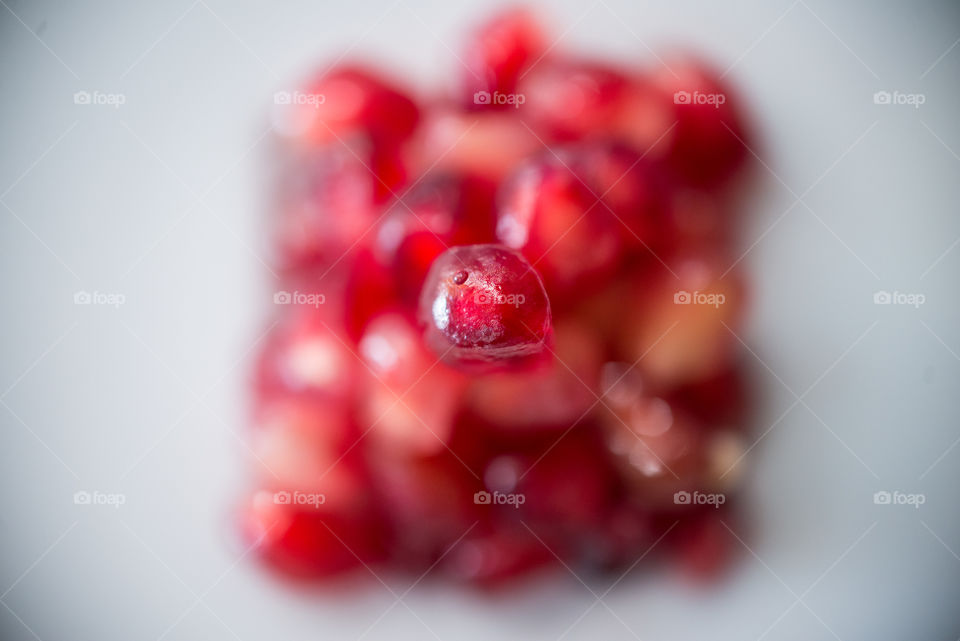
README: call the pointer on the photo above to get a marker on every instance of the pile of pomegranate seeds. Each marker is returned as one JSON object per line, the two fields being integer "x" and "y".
{"x": 504, "y": 340}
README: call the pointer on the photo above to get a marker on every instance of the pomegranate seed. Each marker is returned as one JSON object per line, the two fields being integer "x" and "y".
{"x": 306, "y": 541}
{"x": 429, "y": 501}
{"x": 329, "y": 201}
{"x": 486, "y": 143}
{"x": 560, "y": 224}
{"x": 343, "y": 102}
{"x": 679, "y": 321}
{"x": 305, "y": 355}
{"x": 573, "y": 100}
{"x": 410, "y": 400}
{"x": 496, "y": 56}
{"x": 552, "y": 396}
{"x": 443, "y": 210}
{"x": 706, "y": 146}
{"x": 567, "y": 484}
{"x": 498, "y": 313}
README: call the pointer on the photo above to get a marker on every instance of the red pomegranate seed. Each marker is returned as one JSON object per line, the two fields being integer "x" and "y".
{"x": 560, "y": 224}
{"x": 679, "y": 317}
{"x": 551, "y": 396}
{"x": 343, "y": 102}
{"x": 304, "y": 541}
{"x": 496, "y": 56}
{"x": 485, "y": 305}
{"x": 572, "y": 100}
{"x": 410, "y": 399}
{"x": 442, "y": 211}
{"x": 329, "y": 201}
{"x": 708, "y": 144}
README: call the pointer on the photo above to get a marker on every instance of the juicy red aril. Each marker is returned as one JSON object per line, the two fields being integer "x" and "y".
{"x": 631, "y": 188}
{"x": 560, "y": 224}
{"x": 300, "y": 442}
{"x": 314, "y": 512}
{"x": 497, "y": 54}
{"x": 343, "y": 102}
{"x": 305, "y": 541}
{"x": 567, "y": 483}
{"x": 550, "y": 396}
{"x": 484, "y": 143}
{"x": 305, "y": 355}
{"x": 678, "y": 316}
{"x": 429, "y": 502}
{"x": 498, "y": 313}
{"x": 441, "y": 211}
{"x": 707, "y": 145}
{"x": 572, "y": 100}
{"x": 330, "y": 199}
{"x": 410, "y": 400}
{"x": 644, "y": 118}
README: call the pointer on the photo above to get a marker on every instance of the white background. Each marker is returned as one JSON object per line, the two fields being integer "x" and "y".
{"x": 161, "y": 200}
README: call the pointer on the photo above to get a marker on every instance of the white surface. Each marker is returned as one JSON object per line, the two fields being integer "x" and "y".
{"x": 159, "y": 200}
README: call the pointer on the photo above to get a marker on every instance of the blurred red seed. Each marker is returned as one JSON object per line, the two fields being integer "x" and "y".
{"x": 496, "y": 56}
{"x": 561, "y": 226}
{"x": 410, "y": 399}
{"x": 342, "y": 102}
{"x": 709, "y": 143}
{"x": 572, "y": 100}
{"x": 442, "y": 210}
